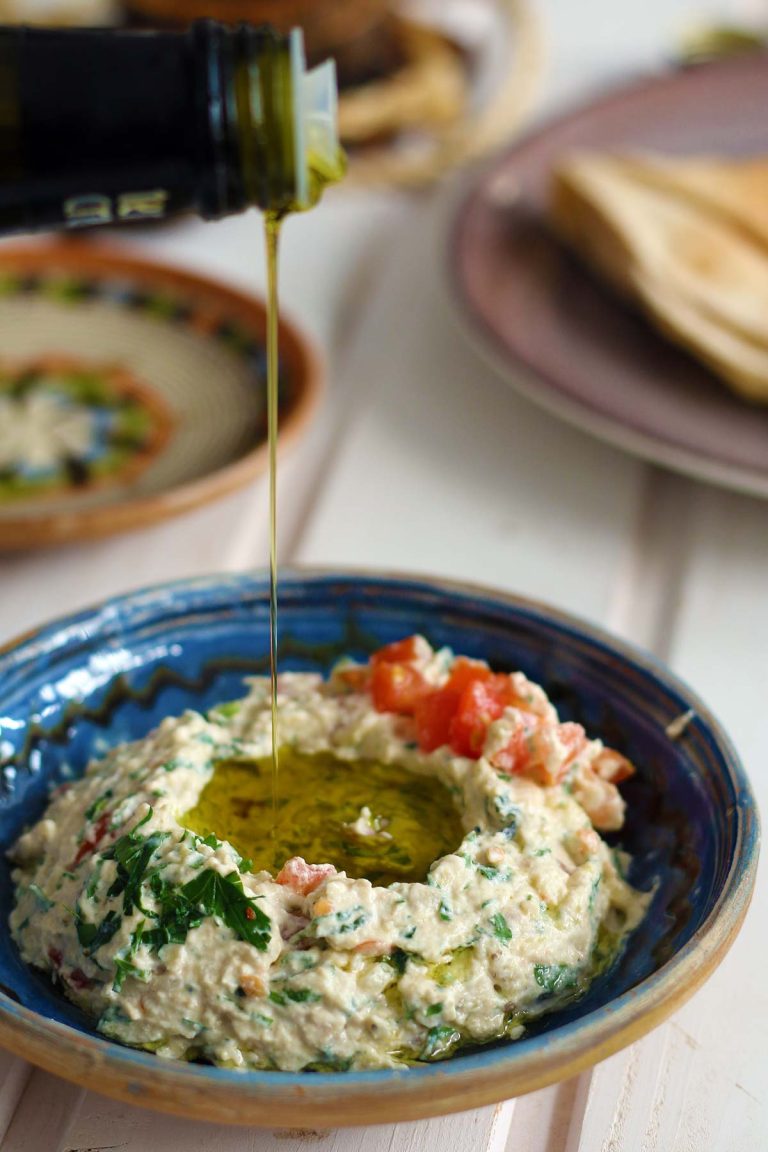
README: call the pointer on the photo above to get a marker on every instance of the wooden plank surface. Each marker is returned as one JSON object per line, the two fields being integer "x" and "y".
{"x": 95, "y": 1123}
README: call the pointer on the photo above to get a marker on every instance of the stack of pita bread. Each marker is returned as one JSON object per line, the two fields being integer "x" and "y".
{"x": 687, "y": 241}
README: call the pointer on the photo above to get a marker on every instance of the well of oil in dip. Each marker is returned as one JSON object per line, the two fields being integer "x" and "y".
{"x": 412, "y": 820}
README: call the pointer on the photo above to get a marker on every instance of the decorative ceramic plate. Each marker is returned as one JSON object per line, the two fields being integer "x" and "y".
{"x": 564, "y": 340}
{"x": 692, "y": 826}
{"x": 129, "y": 392}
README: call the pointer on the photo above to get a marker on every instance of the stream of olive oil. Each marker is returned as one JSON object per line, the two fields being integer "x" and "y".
{"x": 320, "y": 175}
{"x": 272, "y": 237}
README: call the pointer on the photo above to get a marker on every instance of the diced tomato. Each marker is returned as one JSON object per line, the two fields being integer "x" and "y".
{"x": 78, "y": 979}
{"x": 433, "y": 714}
{"x": 92, "y": 842}
{"x": 573, "y": 737}
{"x": 400, "y": 652}
{"x": 612, "y": 766}
{"x": 482, "y": 702}
{"x": 303, "y": 878}
{"x": 397, "y": 688}
{"x": 464, "y": 672}
{"x": 536, "y": 751}
{"x": 514, "y": 757}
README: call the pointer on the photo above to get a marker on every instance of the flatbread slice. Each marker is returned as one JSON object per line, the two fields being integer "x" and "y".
{"x": 736, "y": 191}
{"x": 624, "y": 227}
{"x": 741, "y": 364}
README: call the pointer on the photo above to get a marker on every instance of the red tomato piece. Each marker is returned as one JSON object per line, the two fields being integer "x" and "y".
{"x": 78, "y": 979}
{"x": 92, "y": 842}
{"x": 464, "y": 671}
{"x": 397, "y": 688}
{"x": 433, "y": 715}
{"x": 573, "y": 737}
{"x": 399, "y": 652}
{"x": 482, "y": 702}
{"x": 514, "y": 757}
{"x": 535, "y": 750}
{"x": 612, "y": 766}
{"x": 303, "y": 878}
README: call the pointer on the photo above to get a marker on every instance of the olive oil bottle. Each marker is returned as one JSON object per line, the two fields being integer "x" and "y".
{"x": 102, "y": 127}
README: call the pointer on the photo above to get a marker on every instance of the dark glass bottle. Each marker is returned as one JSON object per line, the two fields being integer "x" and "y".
{"x": 101, "y": 127}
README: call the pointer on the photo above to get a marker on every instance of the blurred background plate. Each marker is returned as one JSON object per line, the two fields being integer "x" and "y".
{"x": 129, "y": 392}
{"x": 561, "y": 338}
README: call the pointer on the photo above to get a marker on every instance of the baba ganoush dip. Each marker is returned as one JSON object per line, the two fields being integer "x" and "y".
{"x": 174, "y": 942}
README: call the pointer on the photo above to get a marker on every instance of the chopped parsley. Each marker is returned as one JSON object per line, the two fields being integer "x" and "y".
{"x": 98, "y": 805}
{"x": 92, "y": 936}
{"x": 224, "y": 711}
{"x": 506, "y": 813}
{"x": 501, "y": 929}
{"x": 180, "y": 908}
{"x": 555, "y": 978}
{"x": 42, "y": 899}
{"x": 124, "y": 966}
{"x": 207, "y": 894}
{"x": 295, "y": 995}
{"x": 398, "y": 959}
{"x": 441, "y": 1041}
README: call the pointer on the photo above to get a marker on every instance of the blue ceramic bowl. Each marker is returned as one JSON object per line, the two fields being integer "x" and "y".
{"x": 111, "y": 674}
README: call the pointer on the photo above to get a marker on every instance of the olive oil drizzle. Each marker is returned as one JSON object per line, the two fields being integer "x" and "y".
{"x": 409, "y": 822}
{"x": 320, "y": 175}
{"x": 272, "y": 223}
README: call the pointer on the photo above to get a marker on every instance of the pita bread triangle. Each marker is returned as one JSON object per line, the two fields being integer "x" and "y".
{"x": 701, "y": 280}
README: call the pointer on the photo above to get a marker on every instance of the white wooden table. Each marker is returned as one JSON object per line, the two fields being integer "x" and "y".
{"x": 467, "y": 481}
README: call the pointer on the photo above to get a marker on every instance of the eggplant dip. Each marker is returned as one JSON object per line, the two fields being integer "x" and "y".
{"x": 432, "y": 874}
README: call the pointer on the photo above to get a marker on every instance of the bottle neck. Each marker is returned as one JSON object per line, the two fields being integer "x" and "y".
{"x": 249, "y": 110}
{"x": 102, "y": 127}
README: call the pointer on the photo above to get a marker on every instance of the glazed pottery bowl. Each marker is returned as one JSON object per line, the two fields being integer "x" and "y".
{"x": 110, "y": 674}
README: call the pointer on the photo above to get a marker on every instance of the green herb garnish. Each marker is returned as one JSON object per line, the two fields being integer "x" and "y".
{"x": 441, "y": 1042}
{"x": 208, "y": 894}
{"x": 92, "y": 936}
{"x": 555, "y": 978}
{"x": 295, "y": 995}
{"x": 501, "y": 929}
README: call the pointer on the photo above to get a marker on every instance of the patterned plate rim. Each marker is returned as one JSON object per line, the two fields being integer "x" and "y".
{"x": 84, "y": 258}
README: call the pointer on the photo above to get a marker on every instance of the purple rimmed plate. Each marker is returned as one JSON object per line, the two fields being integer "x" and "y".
{"x": 560, "y": 337}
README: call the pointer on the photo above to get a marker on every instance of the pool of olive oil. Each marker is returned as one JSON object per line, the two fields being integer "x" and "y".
{"x": 411, "y": 820}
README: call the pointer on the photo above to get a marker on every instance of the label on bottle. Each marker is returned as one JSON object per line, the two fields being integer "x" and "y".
{"x": 95, "y": 208}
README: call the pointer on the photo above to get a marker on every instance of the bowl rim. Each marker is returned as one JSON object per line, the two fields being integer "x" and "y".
{"x": 83, "y": 258}
{"x": 349, "y": 1098}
